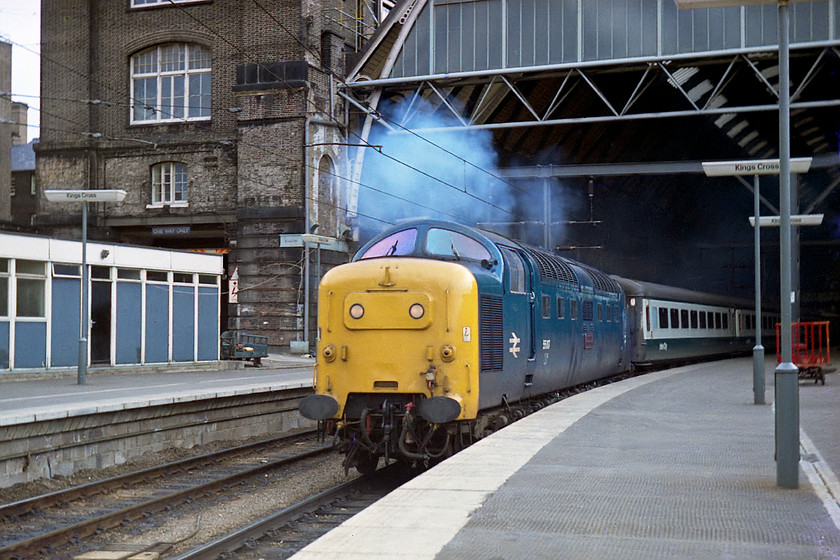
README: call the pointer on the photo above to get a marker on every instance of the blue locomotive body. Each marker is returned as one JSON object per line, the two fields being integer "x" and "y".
{"x": 437, "y": 332}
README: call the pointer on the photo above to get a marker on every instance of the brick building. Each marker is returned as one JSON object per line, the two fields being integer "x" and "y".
{"x": 7, "y": 129}
{"x": 219, "y": 119}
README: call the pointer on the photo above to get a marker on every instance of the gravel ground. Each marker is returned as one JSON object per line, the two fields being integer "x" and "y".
{"x": 243, "y": 505}
{"x": 193, "y": 524}
{"x": 26, "y": 490}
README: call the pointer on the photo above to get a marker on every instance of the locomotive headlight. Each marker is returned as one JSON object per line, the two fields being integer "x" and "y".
{"x": 416, "y": 311}
{"x": 447, "y": 353}
{"x": 356, "y": 310}
{"x": 329, "y": 353}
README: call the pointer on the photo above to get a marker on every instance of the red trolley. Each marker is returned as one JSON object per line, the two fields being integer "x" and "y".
{"x": 809, "y": 349}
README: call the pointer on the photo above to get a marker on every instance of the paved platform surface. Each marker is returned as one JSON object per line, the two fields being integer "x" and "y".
{"x": 671, "y": 465}
{"x": 23, "y": 401}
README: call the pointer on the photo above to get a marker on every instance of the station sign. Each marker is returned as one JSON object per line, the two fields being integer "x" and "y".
{"x": 325, "y": 242}
{"x": 795, "y": 220}
{"x": 298, "y": 239}
{"x": 81, "y": 195}
{"x": 171, "y": 230}
{"x": 753, "y": 167}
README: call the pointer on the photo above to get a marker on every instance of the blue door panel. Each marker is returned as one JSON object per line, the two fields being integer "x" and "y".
{"x": 183, "y": 324}
{"x": 129, "y": 322}
{"x": 157, "y": 323}
{"x": 66, "y": 307}
{"x": 4, "y": 345}
{"x": 208, "y": 324}
{"x": 30, "y": 345}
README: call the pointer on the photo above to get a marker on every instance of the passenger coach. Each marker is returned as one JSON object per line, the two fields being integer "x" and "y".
{"x": 670, "y": 324}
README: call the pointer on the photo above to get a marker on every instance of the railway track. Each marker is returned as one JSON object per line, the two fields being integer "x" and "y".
{"x": 282, "y": 534}
{"x": 57, "y": 525}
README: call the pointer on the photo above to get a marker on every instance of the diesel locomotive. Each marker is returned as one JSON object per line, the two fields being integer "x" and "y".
{"x": 438, "y": 333}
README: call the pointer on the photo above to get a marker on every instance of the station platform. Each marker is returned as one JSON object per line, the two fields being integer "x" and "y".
{"x": 671, "y": 465}
{"x": 106, "y": 390}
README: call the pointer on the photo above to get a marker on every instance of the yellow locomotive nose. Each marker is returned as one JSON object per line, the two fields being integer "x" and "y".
{"x": 384, "y": 321}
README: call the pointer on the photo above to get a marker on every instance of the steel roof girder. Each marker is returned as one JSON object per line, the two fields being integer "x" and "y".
{"x": 520, "y": 97}
{"x": 773, "y": 89}
{"x": 638, "y": 92}
{"x": 809, "y": 76}
{"x": 674, "y": 82}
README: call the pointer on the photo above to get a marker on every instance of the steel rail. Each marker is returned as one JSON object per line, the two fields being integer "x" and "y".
{"x": 65, "y": 534}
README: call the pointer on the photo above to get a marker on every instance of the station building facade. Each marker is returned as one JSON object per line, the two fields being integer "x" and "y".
{"x": 146, "y": 306}
{"x": 221, "y": 121}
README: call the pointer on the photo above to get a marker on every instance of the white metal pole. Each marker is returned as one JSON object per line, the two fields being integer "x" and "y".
{"x": 81, "y": 377}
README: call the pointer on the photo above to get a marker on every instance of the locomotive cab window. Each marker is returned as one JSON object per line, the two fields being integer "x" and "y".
{"x": 396, "y": 244}
{"x": 561, "y": 308}
{"x": 516, "y": 271}
{"x": 446, "y": 243}
{"x": 546, "y": 307}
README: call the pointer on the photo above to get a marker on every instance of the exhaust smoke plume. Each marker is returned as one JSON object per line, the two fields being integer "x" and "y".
{"x": 449, "y": 175}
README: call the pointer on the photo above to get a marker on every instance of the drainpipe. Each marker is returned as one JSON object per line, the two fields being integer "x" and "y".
{"x": 307, "y": 187}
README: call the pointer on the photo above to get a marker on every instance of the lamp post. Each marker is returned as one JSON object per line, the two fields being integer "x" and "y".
{"x": 83, "y": 197}
{"x": 755, "y": 168}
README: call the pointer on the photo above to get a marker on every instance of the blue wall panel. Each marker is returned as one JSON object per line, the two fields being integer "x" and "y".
{"x": 208, "y": 324}
{"x": 4, "y": 345}
{"x": 31, "y": 345}
{"x": 66, "y": 305}
{"x": 129, "y": 322}
{"x": 157, "y": 323}
{"x": 183, "y": 323}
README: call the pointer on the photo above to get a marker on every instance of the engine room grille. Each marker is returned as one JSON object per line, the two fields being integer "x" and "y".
{"x": 490, "y": 334}
{"x": 601, "y": 281}
{"x": 553, "y": 267}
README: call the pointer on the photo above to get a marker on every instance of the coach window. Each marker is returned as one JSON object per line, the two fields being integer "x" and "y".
{"x": 694, "y": 321}
{"x": 561, "y": 308}
{"x": 702, "y": 319}
{"x": 516, "y": 271}
{"x": 725, "y": 320}
{"x": 718, "y": 321}
{"x": 684, "y": 318}
{"x": 396, "y": 244}
{"x": 663, "y": 317}
{"x": 675, "y": 318}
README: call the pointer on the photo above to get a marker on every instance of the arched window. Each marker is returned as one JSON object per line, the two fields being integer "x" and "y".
{"x": 171, "y": 82}
{"x": 326, "y": 196}
{"x": 169, "y": 184}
